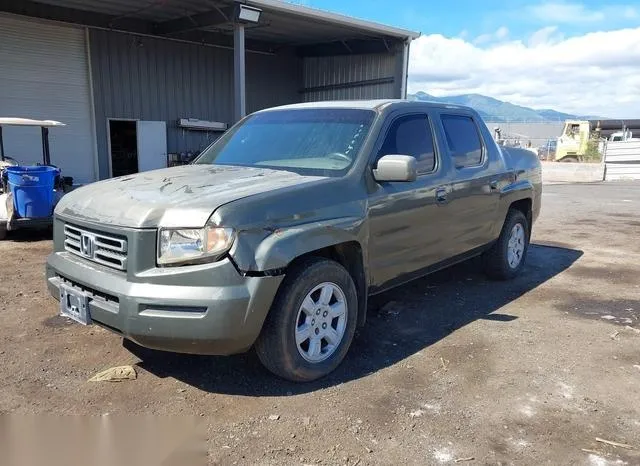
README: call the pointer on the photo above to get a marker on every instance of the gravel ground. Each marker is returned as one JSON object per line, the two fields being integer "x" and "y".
{"x": 450, "y": 367}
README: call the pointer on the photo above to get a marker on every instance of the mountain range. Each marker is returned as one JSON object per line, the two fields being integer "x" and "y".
{"x": 495, "y": 110}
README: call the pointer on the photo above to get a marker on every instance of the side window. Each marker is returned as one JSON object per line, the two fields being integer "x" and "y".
{"x": 463, "y": 140}
{"x": 411, "y": 135}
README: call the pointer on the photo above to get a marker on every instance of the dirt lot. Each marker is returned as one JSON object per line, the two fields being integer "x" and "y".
{"x": 454, "y": 367}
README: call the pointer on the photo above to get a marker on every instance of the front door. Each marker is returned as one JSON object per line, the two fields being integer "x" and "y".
{"x": 152, "y": 145}
{"x": 407, "y": 223}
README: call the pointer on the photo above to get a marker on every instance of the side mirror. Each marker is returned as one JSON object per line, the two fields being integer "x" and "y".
{"x": 396, "y": 168}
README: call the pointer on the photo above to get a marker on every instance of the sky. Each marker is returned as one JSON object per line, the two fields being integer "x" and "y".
{"x": 580, "y": 57}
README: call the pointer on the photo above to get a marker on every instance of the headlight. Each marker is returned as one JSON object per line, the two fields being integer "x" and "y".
{"x": 193, "y": 245}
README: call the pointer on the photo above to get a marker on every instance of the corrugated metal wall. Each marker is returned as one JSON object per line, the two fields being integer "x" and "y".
{"x": 622, "y": 160}
{"x": 272, "y": 80}
{"x": 327, "y": 78}
{"x": 153, "y": 79}
{"x": 44, "y": 75}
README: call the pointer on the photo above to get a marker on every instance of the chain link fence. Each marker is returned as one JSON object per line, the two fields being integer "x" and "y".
{"x": 527, "y": 134}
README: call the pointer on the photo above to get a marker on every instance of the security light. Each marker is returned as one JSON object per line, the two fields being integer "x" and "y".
{"x": 248, "y": 14}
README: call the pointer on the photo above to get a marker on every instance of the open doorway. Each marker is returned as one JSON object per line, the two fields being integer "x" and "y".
{"x": 123, "y": 142}
{"x": 137, "y": 146}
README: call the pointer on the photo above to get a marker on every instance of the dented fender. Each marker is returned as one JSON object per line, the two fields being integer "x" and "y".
{"x": 279, "y": 247}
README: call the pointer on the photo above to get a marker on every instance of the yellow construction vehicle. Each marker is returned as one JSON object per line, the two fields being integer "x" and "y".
{"x": 572, "y": 144}
{"x": 583, "y": 140}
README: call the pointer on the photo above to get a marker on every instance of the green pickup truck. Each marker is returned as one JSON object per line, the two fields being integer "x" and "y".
{"x": 277, "y": 234}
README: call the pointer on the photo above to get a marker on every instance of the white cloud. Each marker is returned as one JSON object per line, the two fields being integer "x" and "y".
{"x": 564, "y": 12}
{"x": 630, "y": 13}
{"x": 560, "y": 12}
{"x": 500, "y": 34}
{"x": 596, "y": 73}
{"x": 547, "y": 35}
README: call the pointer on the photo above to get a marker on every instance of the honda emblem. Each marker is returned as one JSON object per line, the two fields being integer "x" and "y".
{"x": 87, "y": 245}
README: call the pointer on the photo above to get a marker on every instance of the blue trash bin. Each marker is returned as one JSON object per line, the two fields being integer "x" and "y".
{"x": 32, "y": 189}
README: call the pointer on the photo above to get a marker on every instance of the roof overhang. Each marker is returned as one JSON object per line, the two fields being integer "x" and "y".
{"x": 282, "y": 25}
{"x": 315, "y": 15}
{"x": 28, "y": 122}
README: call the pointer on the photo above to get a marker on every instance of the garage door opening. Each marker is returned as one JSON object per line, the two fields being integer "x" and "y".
{"x": 123, "y": 143}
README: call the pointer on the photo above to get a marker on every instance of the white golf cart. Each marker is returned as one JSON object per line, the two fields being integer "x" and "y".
{"x": 28, "y": 194}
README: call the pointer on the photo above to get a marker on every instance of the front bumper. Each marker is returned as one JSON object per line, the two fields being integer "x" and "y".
{"x": 200, "y": 309}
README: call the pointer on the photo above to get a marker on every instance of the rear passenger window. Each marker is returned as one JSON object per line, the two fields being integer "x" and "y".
{"x": 411, "y": 135}
{"x": 463, "y": 140}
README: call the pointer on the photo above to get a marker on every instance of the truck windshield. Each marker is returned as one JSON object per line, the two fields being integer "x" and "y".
{"x": 322, "y": 142}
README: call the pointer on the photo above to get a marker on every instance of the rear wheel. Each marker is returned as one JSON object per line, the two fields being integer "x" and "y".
{"x": 3, "y": 232}
{"x": 570, "y": 159}
{"x": 507, "y": 256}
{"x": 311, "y": 324}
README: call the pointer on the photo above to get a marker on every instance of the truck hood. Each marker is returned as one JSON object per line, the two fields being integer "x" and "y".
{"x": 183, "y": 196}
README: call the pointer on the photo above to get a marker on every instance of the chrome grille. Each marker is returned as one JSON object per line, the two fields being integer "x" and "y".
{"x": 109, "y": 250}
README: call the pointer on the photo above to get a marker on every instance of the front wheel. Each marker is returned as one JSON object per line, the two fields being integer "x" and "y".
{"x": 311, "y": 324}
{"x": 507, "y": 256}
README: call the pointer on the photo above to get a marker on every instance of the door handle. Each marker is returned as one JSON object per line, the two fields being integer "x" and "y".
{"x": 493, "y": 185}
{"x": 441, "y": 195}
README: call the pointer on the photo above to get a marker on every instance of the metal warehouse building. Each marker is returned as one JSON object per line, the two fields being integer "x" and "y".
{"x": 141, "y": 83}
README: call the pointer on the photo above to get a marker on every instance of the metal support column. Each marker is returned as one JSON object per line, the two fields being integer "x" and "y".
{"x": 45, "y": 146}
{"x": 400, "y": 52}
{"x": 1, "y": 146}
{"x": 239, "y": 71}
{"x": 405, "y": 69}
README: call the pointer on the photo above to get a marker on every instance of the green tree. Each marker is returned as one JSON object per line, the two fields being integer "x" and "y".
{"x": 592, "y": 152}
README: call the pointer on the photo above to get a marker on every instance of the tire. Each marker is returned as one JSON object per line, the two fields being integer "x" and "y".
{"x": 569, "y": 159}
{"x": 277, "y": 347}
{"x": 497, "y": 259}
{"x": 3, "y": 232}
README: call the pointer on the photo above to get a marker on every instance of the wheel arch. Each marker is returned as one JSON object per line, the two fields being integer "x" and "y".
{"x": 524, "y": 205}
{"x": 518, "y": 196}
{"x": 349, "y": 254}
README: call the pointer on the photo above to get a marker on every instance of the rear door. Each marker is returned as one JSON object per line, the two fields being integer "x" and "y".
{"x": 407, "y": 223}
{"x": 475, "y": 186}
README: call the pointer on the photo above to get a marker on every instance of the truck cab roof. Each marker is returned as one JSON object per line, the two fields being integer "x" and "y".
{"x": 376, "y": 104}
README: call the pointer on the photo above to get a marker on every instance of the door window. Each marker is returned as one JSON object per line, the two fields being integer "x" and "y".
{"x": 411, "y": 135}
{"x": 463, "y": 140}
